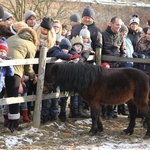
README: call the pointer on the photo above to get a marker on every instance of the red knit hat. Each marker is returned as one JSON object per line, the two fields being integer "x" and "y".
{"x": 106, "y": 65}
{"x": 3, "y": 44}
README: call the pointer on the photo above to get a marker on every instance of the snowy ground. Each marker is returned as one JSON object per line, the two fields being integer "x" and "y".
{"x": 73, "y": 135}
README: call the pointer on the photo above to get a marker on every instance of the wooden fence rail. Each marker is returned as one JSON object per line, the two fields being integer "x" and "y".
{"x": 42, "y": 62}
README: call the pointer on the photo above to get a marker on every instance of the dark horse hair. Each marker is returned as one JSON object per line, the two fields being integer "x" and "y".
{"x": 98, "y": 85}
{"x": 78, "y": 77}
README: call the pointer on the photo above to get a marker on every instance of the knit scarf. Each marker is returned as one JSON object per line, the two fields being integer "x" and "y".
{"x": 43, "y": 40}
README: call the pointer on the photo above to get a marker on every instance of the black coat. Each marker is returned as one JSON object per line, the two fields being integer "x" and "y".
{"x": 113, "y": 43}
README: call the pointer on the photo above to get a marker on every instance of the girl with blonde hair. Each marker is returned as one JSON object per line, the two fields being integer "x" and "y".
{"x": 46, "y": 34}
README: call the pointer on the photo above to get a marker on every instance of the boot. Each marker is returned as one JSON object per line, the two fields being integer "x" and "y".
{"x": 25, "y": 115}
{"x": 62, "y": 116}
{"x": 83, "y": 113}
{"x": 45, "y": 119}
{"x": 73, "y": 113}
{"x": 110, "y": 112}
{"x": 5, "y": 120}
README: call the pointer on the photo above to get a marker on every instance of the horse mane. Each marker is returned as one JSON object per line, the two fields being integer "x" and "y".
{"x": 76, "y": 77}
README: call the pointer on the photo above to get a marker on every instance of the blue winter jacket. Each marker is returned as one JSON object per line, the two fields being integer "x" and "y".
{"x": 55, "y": 51}
{"x": 5, "y": 71}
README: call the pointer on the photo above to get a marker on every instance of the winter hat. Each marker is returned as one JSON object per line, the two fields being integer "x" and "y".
{"x": 65, "y": 44}
{"x": 75, "y": 18}
{"x": 15, "y": 27}
{"x": 88, "y": 11}
{"x": 123, "y": 28}
{"x": 1, "y": 12}
{"x": 105, "y": 65}
{"x": 29, "y": 13}
{"x": 135, "y": 19}
{"x": 84, "y": 32}
{"x": 77, "y": 40}
{"x": 3, "y": 44}
{"x": 47, "y": 23}
{"x": 6, "y": 16}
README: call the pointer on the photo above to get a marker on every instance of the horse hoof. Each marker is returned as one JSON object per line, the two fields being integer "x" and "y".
{"x": 127, "y": 132}
{"x": 91, "y": 132}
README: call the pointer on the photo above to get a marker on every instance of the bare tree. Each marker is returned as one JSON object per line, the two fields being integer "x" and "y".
{"x": 50, "y": 8}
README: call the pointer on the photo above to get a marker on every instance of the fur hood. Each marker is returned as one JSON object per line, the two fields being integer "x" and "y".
{"x": 28, "y": 34}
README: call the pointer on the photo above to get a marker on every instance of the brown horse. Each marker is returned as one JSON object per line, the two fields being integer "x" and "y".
{"x": 98, "y": 85}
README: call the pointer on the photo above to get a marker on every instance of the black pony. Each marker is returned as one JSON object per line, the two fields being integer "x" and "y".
{"x": 98, "y": 85}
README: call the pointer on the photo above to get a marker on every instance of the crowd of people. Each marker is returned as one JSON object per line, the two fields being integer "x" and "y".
{"x": 25, "y": 39}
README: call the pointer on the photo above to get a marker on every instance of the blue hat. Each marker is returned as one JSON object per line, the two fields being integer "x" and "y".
{"x": 65, "y": 44}
{"x": 88, "y": 11}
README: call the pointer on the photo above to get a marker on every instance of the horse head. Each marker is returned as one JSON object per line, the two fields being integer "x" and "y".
{"x": 50, "y": 83}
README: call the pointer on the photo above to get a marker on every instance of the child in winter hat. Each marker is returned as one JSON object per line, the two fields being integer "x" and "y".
{"x": 65, "y": 45}
{"x": 77, "y": 47}
{"x": 85, "y": 33}
{"x": 8, "y": 70}
{"x": 3, "y": 47}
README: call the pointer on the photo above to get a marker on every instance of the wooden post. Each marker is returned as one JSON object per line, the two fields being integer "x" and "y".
{"x": 98, "y": 56}
{"x": 39, "y": 89}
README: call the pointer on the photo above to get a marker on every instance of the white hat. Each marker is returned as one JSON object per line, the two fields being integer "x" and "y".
{"x": 29, "y": 13}
{"x": 85, "y": 32}
{"x": 135, "y": 19}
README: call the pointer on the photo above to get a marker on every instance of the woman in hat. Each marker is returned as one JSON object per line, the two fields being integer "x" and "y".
{"x": 134, "y": 30}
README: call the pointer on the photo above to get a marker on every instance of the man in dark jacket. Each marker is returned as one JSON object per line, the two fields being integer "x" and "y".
{"x": 113, "y": 45}
{"x": 88, "y": 16}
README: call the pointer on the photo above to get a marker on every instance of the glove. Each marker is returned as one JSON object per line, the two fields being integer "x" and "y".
{"x": 5, "y": 57}
{"x": 13, "y": 125}
{"x": 74, "y": 56}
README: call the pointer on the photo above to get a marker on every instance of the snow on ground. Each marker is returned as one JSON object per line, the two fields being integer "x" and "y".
{"x": 32, "y": 136}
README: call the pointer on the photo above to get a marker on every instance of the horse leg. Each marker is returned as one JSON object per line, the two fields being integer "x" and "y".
{"x": 145, "y": 110}
{"x": 132, "y": 112}
{"x": 96, "y": 123}
{"x": 99, "y": 124}
{"x": 147, "y": 135}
